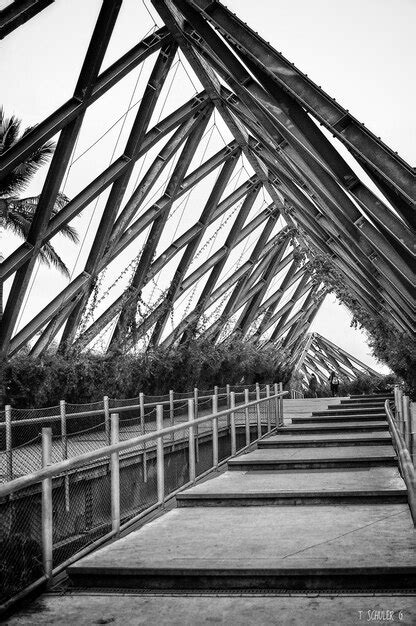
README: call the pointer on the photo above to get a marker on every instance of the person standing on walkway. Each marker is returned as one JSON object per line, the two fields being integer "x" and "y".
{"x": 313, "y": 384}
{"x": 334, "y": 383}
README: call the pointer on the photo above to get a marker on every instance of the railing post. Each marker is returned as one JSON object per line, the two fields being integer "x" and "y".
{"x": 247, "y": 415}
{"x": 64, "y": 449}
{"x": 232, "y": 424}
{"x": 142, "y": 427}
{"x": 269, "y": 420}
{"x": 276, "y": 404}
{"x": 64, "y": 440}
{"x": 107, "y": 425}
{"x": 228, "y": 391}
{"x": 172, "y": 413}
{"x": 160, "y": 462}
{"x": 9, "y": 449}
{"x": 413, "y": 432}
{"x": 405, "y": 410}
{"x": 47, "y": 509}
{"x": 115, "y": 475}
{"x": 192, "y": 472}
{"x": 398, "y": 404}
{"x": 258, "y": 413}
{"x": 215, "y": 431}
{"x": 196, "y": 427}
{"x": 281, "y": 404}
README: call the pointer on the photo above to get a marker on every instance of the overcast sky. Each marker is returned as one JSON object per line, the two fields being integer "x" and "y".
{"x": 362, "y": 52}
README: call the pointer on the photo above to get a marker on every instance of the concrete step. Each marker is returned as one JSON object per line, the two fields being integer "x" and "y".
{"x": 347, "y": 412}
{"x": 374, "y": 396}
{"x": 309, "y": 458}
{"x": 333, "y": 427}
{"x": 353, "y": 401}
{"x": 322, "y": 440}
{"x": 337, "y": 418}
{"x": 275, "y": 547}
{"x": 358, "y": 405}
{"x": 376, "y": 485}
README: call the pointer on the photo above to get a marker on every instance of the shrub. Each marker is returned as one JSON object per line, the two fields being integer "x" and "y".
{"x": 88, "y": 377}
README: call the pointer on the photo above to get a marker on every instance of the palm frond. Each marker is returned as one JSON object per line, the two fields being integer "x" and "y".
{"x": 26, "y": 208}
{"x": 18, "y": 179}
{"x": 49, "y": 256}
{"x": 16, "y": 224}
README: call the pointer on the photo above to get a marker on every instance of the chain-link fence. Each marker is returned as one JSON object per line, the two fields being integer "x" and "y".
{"x": 82, "y": 500}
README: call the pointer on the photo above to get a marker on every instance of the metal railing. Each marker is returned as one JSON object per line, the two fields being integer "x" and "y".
{"x": 52, "y": 517}
{"x": 79, "y": 428}
{"x": 402, "y": 448}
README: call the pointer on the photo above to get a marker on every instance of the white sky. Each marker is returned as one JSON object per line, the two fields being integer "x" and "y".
{"x": 361, "y": 52}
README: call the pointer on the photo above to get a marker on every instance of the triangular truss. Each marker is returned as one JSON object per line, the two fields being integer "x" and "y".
{"x": 295, "y": 186}
{"x": 317, "y": 355}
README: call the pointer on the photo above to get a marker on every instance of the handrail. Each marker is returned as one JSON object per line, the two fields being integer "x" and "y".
{"x": 63, "y": 466}
{"x": 405, "y": 462}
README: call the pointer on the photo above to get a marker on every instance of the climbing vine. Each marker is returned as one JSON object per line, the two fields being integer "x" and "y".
{"x": 388, "y": 344}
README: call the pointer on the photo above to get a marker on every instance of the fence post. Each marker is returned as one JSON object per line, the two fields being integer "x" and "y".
{"x": 115, "y": 475}
{"x": 160, "y": 462}
{"x": 192, "y": 473}
{"x": 142, "y": 426}
{"x": 276, "y": 404}
{"x": 172, "y": 414}
{"x": 215, "y": 431}
{"x": 9, "y": 449}
{"x": 64, "y": 449}
{"x": 269, "y": 419}
{"x": 106, "y": 404}
{"x": 196, "y": 427}
{"x": 247, "y": 416}
{"x": 232, "y": 425}
{"x": 258, "y": 413}
{"x": 47, "y": 510}
{"x": 281, "y": 404}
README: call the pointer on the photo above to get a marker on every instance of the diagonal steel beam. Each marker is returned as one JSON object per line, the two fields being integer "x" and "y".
{"x": 88, "y": 75}
{"x": 192, "y": 247}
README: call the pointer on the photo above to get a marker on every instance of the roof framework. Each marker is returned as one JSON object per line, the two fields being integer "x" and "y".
{"x": 294, "y": 182}
{"x": 316, "y": 354}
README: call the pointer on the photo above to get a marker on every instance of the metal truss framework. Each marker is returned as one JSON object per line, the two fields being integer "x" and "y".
{"x": 272, "y": 112}
{"x": 317, "y": 355}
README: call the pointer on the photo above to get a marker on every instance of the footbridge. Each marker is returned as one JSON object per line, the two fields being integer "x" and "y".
{"x": 303, "y": 499}
{"x": 211, "y": 192}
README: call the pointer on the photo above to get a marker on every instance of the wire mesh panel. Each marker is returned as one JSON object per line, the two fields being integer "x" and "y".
{"x": 81, "y": 502}
{"x": 138, "y": 484}
{"x": 20, "y": 542}
{"x": 176, "y": 462}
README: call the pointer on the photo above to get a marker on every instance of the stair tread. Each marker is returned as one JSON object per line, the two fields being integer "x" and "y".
{"x": 370, "y": 538}
{"x": 267, "y": 455}
{"x": 321, "y": 437}
{"x": 374, "y": 479}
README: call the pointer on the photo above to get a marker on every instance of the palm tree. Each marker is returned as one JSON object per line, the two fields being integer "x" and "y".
{"x": 17, "y": 213}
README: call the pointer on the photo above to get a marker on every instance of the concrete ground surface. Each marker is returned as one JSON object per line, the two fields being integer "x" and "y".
{"x": 228, "y": 610}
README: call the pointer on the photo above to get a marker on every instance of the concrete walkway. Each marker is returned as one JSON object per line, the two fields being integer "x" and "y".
{"x": 311, "y": 510}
